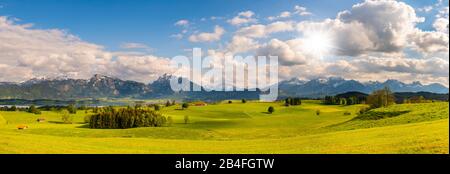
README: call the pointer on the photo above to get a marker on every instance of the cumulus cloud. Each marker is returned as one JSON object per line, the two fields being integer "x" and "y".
{"x": 429, "y": 41}
{"x": 260, "y": 31}
{"x": 241, "y": 44}
{"x": 142, "y": 68}
{"x": 372, "y": 26}
{"x": 27, "y": 53}
{"x": 243, "y": 18}
{"x": 441, "y": 22}
{"x": 289, "y": 52}
{"x": 208, "y": 37}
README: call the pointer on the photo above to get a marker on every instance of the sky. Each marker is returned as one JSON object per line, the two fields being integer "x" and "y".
{"x": 371, "y": 40}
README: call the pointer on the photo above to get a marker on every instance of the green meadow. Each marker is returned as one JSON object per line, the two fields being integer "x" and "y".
{"x": 242, "y": 128}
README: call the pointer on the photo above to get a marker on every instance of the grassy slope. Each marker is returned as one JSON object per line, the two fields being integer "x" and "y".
{"x": 410, "y": 138}
{"x": 241, "y": 128}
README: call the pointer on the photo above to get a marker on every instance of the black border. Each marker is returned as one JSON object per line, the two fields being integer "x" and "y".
{"x": 357, "y": 163}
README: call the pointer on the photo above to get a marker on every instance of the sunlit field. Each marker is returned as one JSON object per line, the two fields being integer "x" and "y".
{"x": 242, "y": 128}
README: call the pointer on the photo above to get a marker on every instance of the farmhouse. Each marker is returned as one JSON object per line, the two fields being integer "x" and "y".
{"x": 22, "y": 127}
{"x": 200, "y": 104}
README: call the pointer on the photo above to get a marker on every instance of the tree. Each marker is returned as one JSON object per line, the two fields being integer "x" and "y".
{"x": 317, "y": 112}
{"x": 13, "y": 108}
{"x": 169, "y": 121}
{"x": 32, "y": 109}
{"x": 66, "y": 117}
{"x": 186, "y": 119}
{"x": 72, "y": 109}
{"x": 87, "y": 118}
{"x": 271, "y": 109}
{"x": 244, "y": 101}
{"x": 157, "y": 107}
{"x": 381, "y": 98}
{"x": 168, "y": 103}
{"x": 229, "y": 102}
{"x": 185, "y": 105}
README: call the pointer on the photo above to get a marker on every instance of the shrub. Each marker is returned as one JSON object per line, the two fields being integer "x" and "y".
{"x": 271, "y": 109}
{"x": 229, "y": 102}
{"x": 186, "y": 119}
{"x": 185, "y": 106}
{"x": 244, "y": 101}
{"x": 32, "y": 109}
{"x": 72, "y": 109}
{"x": 87, "y": 119}
{"x": 317, "y": 112}
{"x": 169, "y": 121}
{"x": 157, "y": 107}
{"x": 66, "y": 117}
{"x": 347, "y": 113}
{"x": 364, "y": 110}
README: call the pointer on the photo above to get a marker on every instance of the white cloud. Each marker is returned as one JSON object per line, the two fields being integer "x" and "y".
{"x": 133, "y": 45}
{"x": 260, "y": 31}
{"x": 302, "y": 11}
{"x": 243, "y": 18}
{"x": 177, "y": 36}
{"x": 27, "y": 53}
{"x": 285, "y": 14}
{"x": 425, "y": 9}
{"x": 208, "y": 37}
{"x": 382, "y": 26}
{"x": 240, "y": 44}
{"x": 143, "y": 68}
{"x": 441, "y": 22}
{"x": 430, "y": 42}
{"x": 183, "y": 23}
{"x": 289, "y": 53}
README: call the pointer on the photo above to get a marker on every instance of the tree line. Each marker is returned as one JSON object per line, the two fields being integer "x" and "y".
{"x": 334, "y": 100}
{"x": 292, "y": 101}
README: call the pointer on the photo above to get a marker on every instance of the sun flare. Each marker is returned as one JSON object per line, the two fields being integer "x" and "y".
{"x": 318, "y": 43}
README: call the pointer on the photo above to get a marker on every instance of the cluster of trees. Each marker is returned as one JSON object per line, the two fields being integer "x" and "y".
{"x": 111, "y": 118}
{"x": 32, "y": 109}
{"x": 6, "y": 108}
{"x": 292, "y": 101}
{"x": 332, "y": 100}
{"x": 170, "y": 103}
{"x": 381, "y": 98}
{"x": 417, "y": 99}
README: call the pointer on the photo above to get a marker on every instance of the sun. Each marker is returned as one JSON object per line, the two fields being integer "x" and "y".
{"x": 318, "y": 43}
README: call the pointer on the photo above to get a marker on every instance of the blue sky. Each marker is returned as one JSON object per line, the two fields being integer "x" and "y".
{"x": 113, "y": 22}
{"x": 402, "y": 43}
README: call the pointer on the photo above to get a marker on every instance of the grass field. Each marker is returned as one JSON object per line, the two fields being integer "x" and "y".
{"x": 243, "y": 128}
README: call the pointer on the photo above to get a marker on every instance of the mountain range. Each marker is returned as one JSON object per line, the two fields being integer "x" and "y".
{"x": 100, "y": 86}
